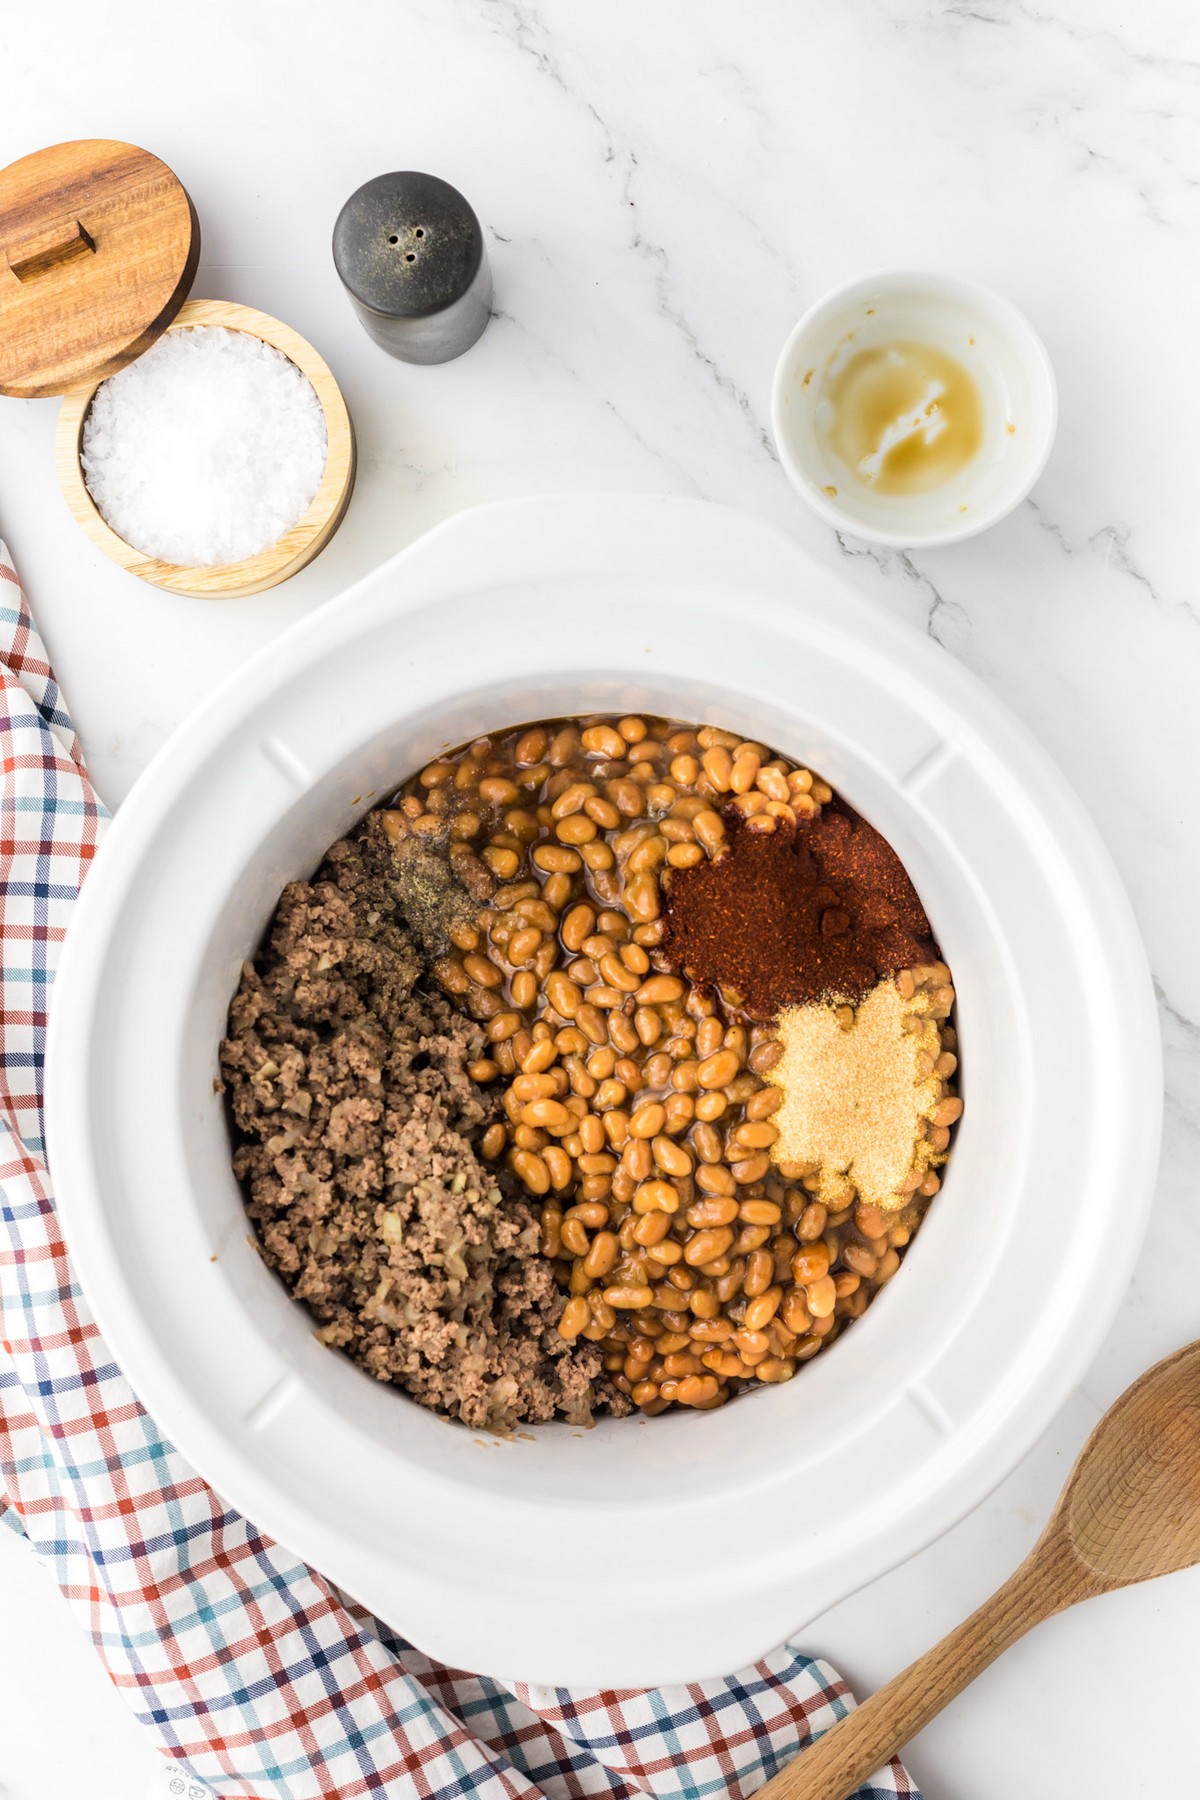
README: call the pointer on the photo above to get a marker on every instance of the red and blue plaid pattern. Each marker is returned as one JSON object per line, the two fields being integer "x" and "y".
{"x": 247, "y": 1666}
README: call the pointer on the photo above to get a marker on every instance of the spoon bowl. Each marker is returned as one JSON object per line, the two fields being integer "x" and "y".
{"x": 1131, "y": 1509}
{"x": 1130, "y": 1512}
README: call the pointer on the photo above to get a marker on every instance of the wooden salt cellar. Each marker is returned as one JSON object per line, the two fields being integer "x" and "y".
{"x": 99, "y": 245}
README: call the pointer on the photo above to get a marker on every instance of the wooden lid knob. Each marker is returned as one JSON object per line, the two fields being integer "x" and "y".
{"x": 99, "y": 244}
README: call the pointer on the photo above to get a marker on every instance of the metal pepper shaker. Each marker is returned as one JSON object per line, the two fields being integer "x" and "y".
{"x": 410, "y": 253}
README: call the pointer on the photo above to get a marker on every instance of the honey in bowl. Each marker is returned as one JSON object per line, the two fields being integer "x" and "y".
{"x": 902, "y": 417}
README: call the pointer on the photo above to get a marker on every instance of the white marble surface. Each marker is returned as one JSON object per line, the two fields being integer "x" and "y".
{"x": 664, "y": 187}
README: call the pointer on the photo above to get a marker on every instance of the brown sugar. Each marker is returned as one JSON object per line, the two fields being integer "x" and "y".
{"x": 864, "y": 1102}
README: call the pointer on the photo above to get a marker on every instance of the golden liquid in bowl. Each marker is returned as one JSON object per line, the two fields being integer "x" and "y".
{"x": 903, "y": 417}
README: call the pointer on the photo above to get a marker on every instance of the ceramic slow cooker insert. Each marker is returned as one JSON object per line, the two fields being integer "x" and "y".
{"x": 644, "y": 1550}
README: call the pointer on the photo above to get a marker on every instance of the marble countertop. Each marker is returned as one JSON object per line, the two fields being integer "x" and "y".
{"x": 663, "y": 190}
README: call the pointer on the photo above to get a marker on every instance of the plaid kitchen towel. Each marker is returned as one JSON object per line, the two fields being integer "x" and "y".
{"x": 251, "y": 1671}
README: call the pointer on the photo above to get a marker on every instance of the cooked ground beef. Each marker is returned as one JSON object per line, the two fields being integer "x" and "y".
{"x": 356, "y": 1127}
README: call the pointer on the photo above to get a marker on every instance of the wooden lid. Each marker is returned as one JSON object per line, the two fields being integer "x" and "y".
{"x": 99, "y": 244}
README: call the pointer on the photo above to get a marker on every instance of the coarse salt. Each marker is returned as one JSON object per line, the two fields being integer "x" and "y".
{"x": 205, "y": 450}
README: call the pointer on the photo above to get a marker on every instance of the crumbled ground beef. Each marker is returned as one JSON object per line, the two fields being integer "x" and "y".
{"x": 356, "y": 1128}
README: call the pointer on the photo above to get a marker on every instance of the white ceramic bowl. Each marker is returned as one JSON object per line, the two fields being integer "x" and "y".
{"x": 981, "y": 330}
{"x": 651, "y": 1550}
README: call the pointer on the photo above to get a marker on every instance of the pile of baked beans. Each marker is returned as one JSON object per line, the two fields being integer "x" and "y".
{"x": 635, "y": 1106}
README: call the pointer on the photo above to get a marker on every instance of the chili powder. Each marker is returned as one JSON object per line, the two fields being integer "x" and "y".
{"x": 819, "y": 910}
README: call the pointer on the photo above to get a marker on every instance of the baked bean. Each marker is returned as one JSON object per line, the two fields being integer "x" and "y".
{"x": 626, "y": 796}
{"x": 757, "y": 1134}
{"x": 524, "y": 945}
{"x": 575, "y": 830}
{"x": 812, "y": 1223}
{"x": 718, "y": 1070}
{"x": 647, "y": 1025}
{"x": 493, "y": 1141}
{"x": 718, "y": 767}
{"x": 859, "y": 1259}
{"x": 810, "y": 1263}
{"x": 529, "y": 1168}
{"x": 575, "y": 1315}
{"x": 651, "y": 1228}
{"x": 559, "y": 1166}
{"x": 685, "y": 1075}
{"x": 503, "y": 862}
{"x": 603, "y": 740}
{"x": 712, "y": 1212}
{"x": 744, "y": 771}
{"x": 768, "y": 1100}
{"x": 573, "y": 1233}
{"x": 628, "y": 1298}
{"x": 577, "y": 926}
{"x": 708, "y": 1244}
{"x": 675, "y": 1202}
{"x": 539, "y": 1057}
{"x": 563, "y": 994}
{"x": 706, "y": 1141}
{"x": 602, "y": 1256}
{"x": 452, "y": 975}
{"x": 716, "y": 1178}
{"x": 680, "y": 1110}
{"x": 760, "y": 1273}
{"x": 762, "y": 1309}
{"x": 616, "y": 1125}
{"x": 602, "y": 811}
{"x": 530, "y": 1086}
{"x": 647, "y": 1121}
{"x": 550, "y": 1115}
{"x": 556, "y": 891}
{"x": 591, "y": 1134}
{"x": 709, "y": 828}
{"x": 556, "y": 858}
{"x": 638, "y": 1159}
{"x": 671, "y": 1157}
{"x": 497, "y": 790}
{"x": 616, "y": 975}
{"x": 659, "y": 989}
{"x": 821, "y": 1297}
{"x": 656, "y": 1196}
{"x": 641, "y": 897}
{"x": 765, "y": 1056}
{"x": 571, "y": 799}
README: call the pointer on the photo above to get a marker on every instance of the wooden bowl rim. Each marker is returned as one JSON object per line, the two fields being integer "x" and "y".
{"x": 290, "y": 552}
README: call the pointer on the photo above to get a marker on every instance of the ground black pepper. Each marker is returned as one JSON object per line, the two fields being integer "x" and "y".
{"x": 819, "y": 910}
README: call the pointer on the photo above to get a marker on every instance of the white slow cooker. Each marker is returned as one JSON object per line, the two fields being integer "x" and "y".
{"x": 659, "y": 1549}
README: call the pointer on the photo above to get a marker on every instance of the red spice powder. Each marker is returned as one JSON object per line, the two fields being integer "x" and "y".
{"x": 819, "y": 910}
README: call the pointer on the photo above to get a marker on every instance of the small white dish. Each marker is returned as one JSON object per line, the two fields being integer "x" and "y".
{"x": 982, "y": 331}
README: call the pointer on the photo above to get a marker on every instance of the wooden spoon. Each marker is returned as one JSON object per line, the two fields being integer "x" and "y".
{"x": 1130, "y": 1511}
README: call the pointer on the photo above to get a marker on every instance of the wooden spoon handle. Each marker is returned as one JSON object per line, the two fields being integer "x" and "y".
{"x": 870, "y": 1736}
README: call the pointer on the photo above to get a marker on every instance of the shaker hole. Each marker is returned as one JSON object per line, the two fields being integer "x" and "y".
{"x": 394, "y": 239}
{"x": 419, "y": 232}
{"x": 411, "y": 257}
